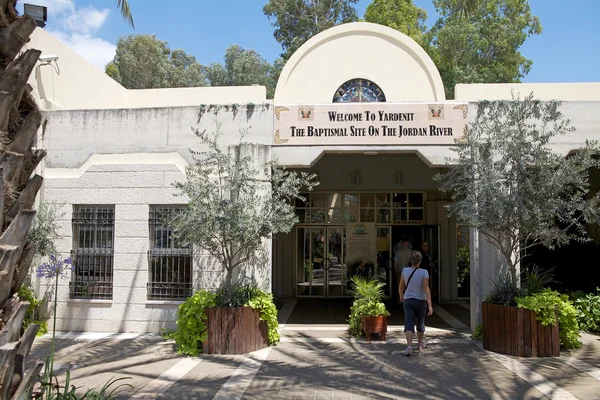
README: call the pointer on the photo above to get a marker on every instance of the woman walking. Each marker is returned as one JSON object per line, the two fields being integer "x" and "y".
{"x": 415, "y": 294}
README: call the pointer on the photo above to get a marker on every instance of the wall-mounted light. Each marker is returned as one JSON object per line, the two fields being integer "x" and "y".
{"x": 399, "y": 179}
{"x": 354, "y": 178}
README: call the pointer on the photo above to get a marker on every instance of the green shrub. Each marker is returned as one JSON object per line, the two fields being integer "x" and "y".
{"x": 368, "y": 294}
{"x": 588, "y": 308}
{"x": 263, "y": 302}
{"x": 236, "y": 295}
{"x": 362, "y": 308}
{"x": 544, "y": 305}
{"x": 191, "y": 316}
{"x": 477, "y": 333}
{"x": 32, "y": 315}
{"x": 503, "y": 293}
{"x": 533, "y": 280}
{"x": 191, "y": 323}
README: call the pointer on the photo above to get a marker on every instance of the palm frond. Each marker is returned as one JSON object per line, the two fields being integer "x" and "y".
{"x": 123, "y": 6}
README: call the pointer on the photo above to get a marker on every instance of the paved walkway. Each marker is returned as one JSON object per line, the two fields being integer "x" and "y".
{"x": 316, "y": 359}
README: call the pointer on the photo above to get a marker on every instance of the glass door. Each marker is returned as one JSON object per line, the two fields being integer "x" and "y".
{"x": 385, "y": 262}
{"x": 321, "y": 262}
{"x": 431, "y": 236}
{"x": 335, "y": 265}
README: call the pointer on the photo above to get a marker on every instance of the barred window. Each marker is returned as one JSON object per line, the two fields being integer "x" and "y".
{"x": 92, "y": 254}
{"x": 169, "y": 262}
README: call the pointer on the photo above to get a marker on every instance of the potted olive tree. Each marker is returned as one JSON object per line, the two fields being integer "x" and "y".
{"x": 237, "y": 200}
{"x": 510, "y": 187}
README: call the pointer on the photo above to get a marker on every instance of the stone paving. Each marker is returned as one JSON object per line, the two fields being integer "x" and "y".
{"x": 318, "y": 360}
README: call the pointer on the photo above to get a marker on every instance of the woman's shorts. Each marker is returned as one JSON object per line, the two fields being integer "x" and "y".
{"x": 414, "y": 313}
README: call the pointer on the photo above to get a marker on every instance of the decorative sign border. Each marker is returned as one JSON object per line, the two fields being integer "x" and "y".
{"x": 370, "y": 124}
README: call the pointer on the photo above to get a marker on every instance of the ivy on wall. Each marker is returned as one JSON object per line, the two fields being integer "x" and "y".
{"x": 215, "y": 109}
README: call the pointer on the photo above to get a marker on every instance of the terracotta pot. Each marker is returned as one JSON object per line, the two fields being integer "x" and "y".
{"x": 375, "y": 325}
{"x": 515, "y": 331}
{"x": 234, "y": 330}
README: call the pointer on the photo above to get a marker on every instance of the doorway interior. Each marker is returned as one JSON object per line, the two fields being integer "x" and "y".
{"x": 417, "y": 236}
{"x": 321, "y": 269}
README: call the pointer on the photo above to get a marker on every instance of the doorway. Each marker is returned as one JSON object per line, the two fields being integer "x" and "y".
{"x": 321, "y": 269}
{"x": 321, "y": 262}
{"x": 417, "y": 236}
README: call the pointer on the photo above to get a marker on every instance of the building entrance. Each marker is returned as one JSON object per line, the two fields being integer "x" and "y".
{"x": 321, "y": 269}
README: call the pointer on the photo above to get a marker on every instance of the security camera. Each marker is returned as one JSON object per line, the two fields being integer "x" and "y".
{"x": 48, "y": 58}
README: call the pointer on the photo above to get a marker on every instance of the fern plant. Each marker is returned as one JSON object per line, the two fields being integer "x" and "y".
{"x": 368, "y": 296}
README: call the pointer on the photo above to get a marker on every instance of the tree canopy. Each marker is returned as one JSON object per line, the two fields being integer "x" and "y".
{"x": 402, "y": 15}
{"x": 483, "y": 46}
{"x": 473, "y": 41}
{"x": 241, "y": 67}
{"x": 296, "y": 21}
{"x": 146, "y": 62}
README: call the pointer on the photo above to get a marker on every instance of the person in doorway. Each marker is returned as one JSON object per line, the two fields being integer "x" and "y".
{"x": 401, "y": 258}
{"x": 415, "y": 294}
{"x": 426, "y": 262}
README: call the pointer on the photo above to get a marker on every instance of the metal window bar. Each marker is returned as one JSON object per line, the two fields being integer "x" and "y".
{"x": 169, "y": 262}
{"x": 92, "y": 254}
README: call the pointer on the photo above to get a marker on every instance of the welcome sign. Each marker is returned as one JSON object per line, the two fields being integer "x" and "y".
{"x": 370, "y": 124}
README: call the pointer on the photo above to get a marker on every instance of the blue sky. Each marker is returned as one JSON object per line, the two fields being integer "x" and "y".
{"x": 566, "y": 51}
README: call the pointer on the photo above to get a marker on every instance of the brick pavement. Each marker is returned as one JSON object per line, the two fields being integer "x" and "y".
{"x": 318, "y": 360}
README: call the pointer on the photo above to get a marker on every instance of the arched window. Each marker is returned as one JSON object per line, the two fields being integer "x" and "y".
{"x": 359, "y": 91}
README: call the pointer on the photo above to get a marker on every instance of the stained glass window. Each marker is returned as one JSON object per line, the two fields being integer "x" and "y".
{"x": 359, "y": 91}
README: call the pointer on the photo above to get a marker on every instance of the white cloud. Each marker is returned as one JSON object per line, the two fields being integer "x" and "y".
{"x": 77, "y": 27}
{"x": 86, "y": 20}
{"x": 94, "y": 49}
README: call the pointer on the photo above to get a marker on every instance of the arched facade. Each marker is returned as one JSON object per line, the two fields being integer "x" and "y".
{"x": 392, "y": 60}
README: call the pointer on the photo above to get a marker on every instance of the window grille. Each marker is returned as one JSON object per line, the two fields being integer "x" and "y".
{"x": 92, "y": 254}
{"x": 169, "y": 262}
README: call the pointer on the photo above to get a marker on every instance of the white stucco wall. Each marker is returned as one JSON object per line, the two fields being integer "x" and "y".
{"x": 131, "y": 189}
{"x": 73, "y": 136}
{"x": 130, "y": 158}
{"x": 383, "y": 55}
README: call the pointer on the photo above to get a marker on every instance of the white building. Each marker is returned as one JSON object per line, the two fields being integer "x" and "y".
{"x": 113, "y": 155}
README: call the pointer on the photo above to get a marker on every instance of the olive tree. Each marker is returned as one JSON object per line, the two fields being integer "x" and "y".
{"x": 236, "y": 201}
{"x": 508, "y": 183}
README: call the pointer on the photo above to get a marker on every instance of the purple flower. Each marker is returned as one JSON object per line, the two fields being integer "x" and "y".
{"x": 55, "y": 267}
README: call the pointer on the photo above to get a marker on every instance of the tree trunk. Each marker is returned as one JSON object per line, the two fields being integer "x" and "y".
{"x": 20, "y": 119}
{"x": 228, "y": 279}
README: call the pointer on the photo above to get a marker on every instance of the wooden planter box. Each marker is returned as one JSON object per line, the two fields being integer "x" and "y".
{"x": 375, "y": 325}
{"x": 515, "y": 331}
{"x": 234, "y": 330}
